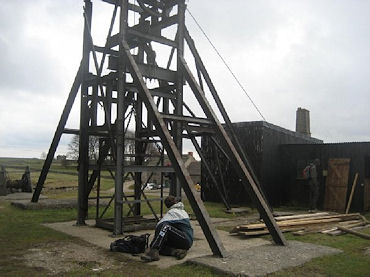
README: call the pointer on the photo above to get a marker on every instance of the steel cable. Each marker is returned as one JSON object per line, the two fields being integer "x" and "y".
{"x": 226, "y": 64}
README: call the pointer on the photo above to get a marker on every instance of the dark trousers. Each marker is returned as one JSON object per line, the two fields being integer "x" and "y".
{"x": 167, "y": 237}
{"x": 314, "y": 193}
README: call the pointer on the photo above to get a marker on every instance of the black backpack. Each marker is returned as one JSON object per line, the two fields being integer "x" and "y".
{"x": 131, "y": 244}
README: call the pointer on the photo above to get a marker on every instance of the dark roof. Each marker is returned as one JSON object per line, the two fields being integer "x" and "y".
{"x": 271, "y": 126}
{"x": 335, "y": 143}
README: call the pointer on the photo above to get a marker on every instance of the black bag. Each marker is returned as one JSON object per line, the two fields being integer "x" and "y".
{"x": 131, "y": 244}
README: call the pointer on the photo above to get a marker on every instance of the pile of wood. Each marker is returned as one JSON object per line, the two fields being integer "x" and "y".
{"x": 329, "y": 223}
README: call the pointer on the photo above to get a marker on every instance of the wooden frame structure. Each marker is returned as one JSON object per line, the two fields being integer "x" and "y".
{"x": 135, "y": 81}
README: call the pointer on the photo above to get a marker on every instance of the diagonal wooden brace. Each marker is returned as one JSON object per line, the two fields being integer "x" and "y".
{"x": 58, "y": 134}
{"x": 243, "y": 172}
{"x": 175, "y": 157}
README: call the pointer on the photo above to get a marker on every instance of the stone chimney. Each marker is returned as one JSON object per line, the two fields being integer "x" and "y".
{"x": 303, "y": 122}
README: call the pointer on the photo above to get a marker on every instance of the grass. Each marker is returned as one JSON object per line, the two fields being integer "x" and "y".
{"x": 26, "y": 231}
{"x": 217, "y": 210}
{"x": 69, "y": 183}
{"x": 352, "y": 262}
{"x": 22, "y": 229}
{"x": 59, "y": 175}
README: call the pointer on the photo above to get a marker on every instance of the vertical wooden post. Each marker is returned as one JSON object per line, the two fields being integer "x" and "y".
{"x": 83, "y": 161}
{"x": 352, "y": 192}
{"x": 138, "y": 129}
{"x": 176, "y": 189}
{"x": 117, "y": 229}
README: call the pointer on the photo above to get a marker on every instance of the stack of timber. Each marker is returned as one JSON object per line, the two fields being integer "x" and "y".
{"x": 301, "y": 224}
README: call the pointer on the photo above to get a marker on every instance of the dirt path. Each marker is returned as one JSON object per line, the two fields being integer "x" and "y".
{"x": 58, "y": 258}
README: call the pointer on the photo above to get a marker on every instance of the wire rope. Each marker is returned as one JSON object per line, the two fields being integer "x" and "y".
{"x": 226, "y": 64}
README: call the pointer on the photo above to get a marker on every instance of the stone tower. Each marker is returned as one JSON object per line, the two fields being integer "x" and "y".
{"x": 303, "y": 122}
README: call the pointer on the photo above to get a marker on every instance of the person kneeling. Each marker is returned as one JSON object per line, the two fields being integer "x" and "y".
{"x": 173, "y": 233}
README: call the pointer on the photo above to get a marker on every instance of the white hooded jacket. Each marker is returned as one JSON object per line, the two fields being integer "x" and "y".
{"x": 179, "y": 218}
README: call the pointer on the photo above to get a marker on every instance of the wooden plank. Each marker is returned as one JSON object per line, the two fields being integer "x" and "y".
{"x": 329, "y": 216}
{"x": 339, "y": 232}
{"x": 336, "y": 184}
{"x": 352, "y": 225}
{"x": 296, "y": 223}
{"x": 333, "y": 218}
{"x": 187, "y": 119}
{"x": 329, "y": 230}
{"x": 297, "y": 216}
{"x": 266, "y": 232}
{"x": 149, "y": 71}
{"x": 351, "y": 222}
{"x": 341, "y": 216}
{"x": 361, "y": 235}
{"x": 352, "y": 192}
{"x": 151, "y": 37}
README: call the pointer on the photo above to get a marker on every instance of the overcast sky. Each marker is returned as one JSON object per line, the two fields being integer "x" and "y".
{"x": 287, "y": 54}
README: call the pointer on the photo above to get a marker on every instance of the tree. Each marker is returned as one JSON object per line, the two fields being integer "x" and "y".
{"x": 74, "y": 145}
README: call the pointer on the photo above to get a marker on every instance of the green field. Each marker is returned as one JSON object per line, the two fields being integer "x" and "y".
{"x": 22, "y": 236}
{"x": 60, "y": 178}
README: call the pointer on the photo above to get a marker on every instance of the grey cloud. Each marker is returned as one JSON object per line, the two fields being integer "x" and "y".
{"x": 325, "y": 69}
{"x": 26, "y": 63}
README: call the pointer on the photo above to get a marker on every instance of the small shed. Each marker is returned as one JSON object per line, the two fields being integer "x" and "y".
{"x": 261, "y": 142}
{"x": 346, "y": 159}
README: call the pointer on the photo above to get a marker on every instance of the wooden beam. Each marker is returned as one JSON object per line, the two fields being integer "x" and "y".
{"x": 303, "y": 221}
{"x": 243, "y": 172}
{"x": 201, "y": 70}
{"x": 176, "y": 159}
{"x": 297, "y": 216}
{"x": 349, "y": 231}
{"x": 58, "y": 134}
{"x": 151, "y": 37}
{"x": 149, "y": 71}
{"x": 352, "y": 192}
{"x": 187, "y": 119}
